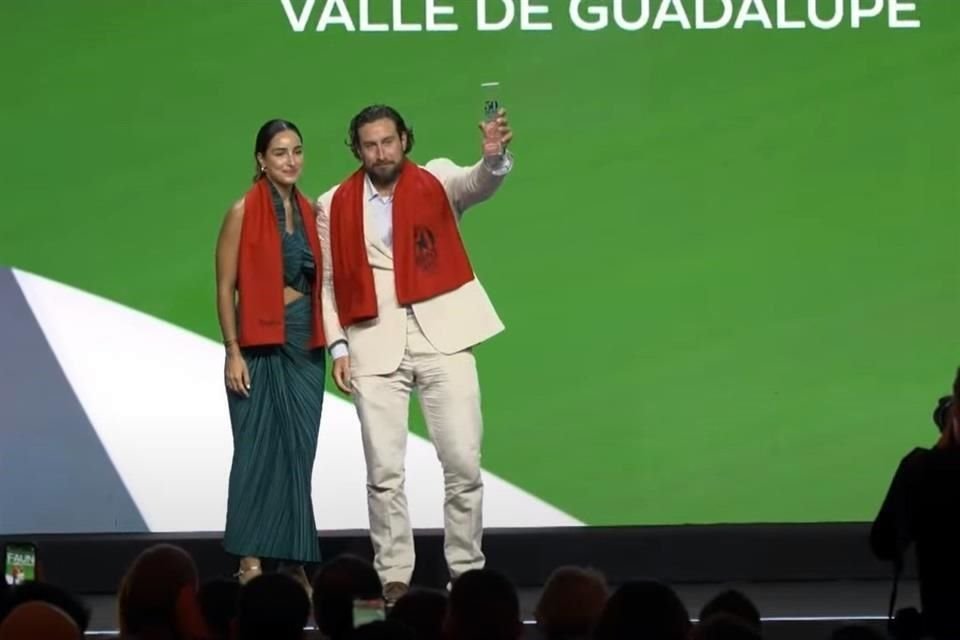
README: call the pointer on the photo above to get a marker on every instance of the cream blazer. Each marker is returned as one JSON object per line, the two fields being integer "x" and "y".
{"x": 452, "y": 321}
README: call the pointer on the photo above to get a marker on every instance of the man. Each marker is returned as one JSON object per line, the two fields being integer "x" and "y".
{"x": 919, "y": 510}
{"x": 402, "y": 311}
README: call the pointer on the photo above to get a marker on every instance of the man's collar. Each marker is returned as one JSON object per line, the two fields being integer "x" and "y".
{"x": 371, "y": 192}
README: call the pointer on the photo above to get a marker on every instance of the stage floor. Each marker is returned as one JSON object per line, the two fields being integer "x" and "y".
{"x": 791, "y": 610}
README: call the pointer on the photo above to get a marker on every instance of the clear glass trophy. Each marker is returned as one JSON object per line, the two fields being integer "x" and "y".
{"x": 492, "y": 148}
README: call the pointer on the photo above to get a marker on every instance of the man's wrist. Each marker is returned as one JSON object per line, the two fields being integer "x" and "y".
{"x": 500, "y": 164}
{"x": 339, "y": 349}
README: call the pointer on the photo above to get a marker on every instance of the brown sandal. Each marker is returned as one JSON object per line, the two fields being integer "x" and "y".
{"x": 246, "y": 574}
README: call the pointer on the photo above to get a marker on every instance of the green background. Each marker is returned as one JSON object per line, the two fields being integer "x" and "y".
{"x": 726, "y": 260}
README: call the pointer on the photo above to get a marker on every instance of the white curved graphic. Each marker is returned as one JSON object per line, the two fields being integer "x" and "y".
{"x": 154, "y": 394}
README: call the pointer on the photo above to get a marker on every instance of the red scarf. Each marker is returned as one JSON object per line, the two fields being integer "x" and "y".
{"x": 428, "y": 253}
{"x": 260, "y": 271}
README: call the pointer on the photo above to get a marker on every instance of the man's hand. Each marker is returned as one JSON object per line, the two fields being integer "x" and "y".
{"x": 341, "y": 374}
{"x": 496, "y": 134}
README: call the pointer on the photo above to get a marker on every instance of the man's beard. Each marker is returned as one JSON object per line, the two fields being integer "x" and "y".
{"x": 384, "y": 175}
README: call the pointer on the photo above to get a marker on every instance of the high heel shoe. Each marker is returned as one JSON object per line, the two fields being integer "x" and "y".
{"x": 248, "y": 573}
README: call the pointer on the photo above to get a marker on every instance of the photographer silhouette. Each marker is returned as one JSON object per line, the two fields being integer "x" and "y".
{"x": 921, "y": 509}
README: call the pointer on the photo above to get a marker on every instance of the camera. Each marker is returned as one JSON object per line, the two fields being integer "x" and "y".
{"x": 942, "y": 412}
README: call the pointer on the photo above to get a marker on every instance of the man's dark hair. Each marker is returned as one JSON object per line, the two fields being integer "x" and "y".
{"x": 484, "y": 605}
{"x": 724, "y": 626}
{"x": 337, "y": 583}
{"x": 735, "y": 603}
{"x": 273, "y": 606}
{"x": 372, "y": 114}
{"x": 383, "y": 630}
{"x": 643, "y": 608}
{"x": 218, "y": 600}
{"x": 423, "y": 610}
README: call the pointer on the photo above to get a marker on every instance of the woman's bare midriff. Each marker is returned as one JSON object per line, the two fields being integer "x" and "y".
{"x": 290, "y": 295}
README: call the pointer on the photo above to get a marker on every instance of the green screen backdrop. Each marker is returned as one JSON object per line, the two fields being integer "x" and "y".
{"x": 726, "y": 258}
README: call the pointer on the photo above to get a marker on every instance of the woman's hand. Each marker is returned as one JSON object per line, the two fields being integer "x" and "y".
{"x": 237, "y": 375}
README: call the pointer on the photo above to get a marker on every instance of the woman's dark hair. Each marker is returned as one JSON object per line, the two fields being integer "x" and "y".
{"x": 372, "y": 114}
{"x": 265, "y": 135}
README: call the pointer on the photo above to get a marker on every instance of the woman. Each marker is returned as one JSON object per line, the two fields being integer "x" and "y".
{"x": 268, "y": 300}
{"x": 156, "y": 595}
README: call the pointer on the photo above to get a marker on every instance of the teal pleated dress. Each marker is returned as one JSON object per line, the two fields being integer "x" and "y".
{"x": 269, "y": 507}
